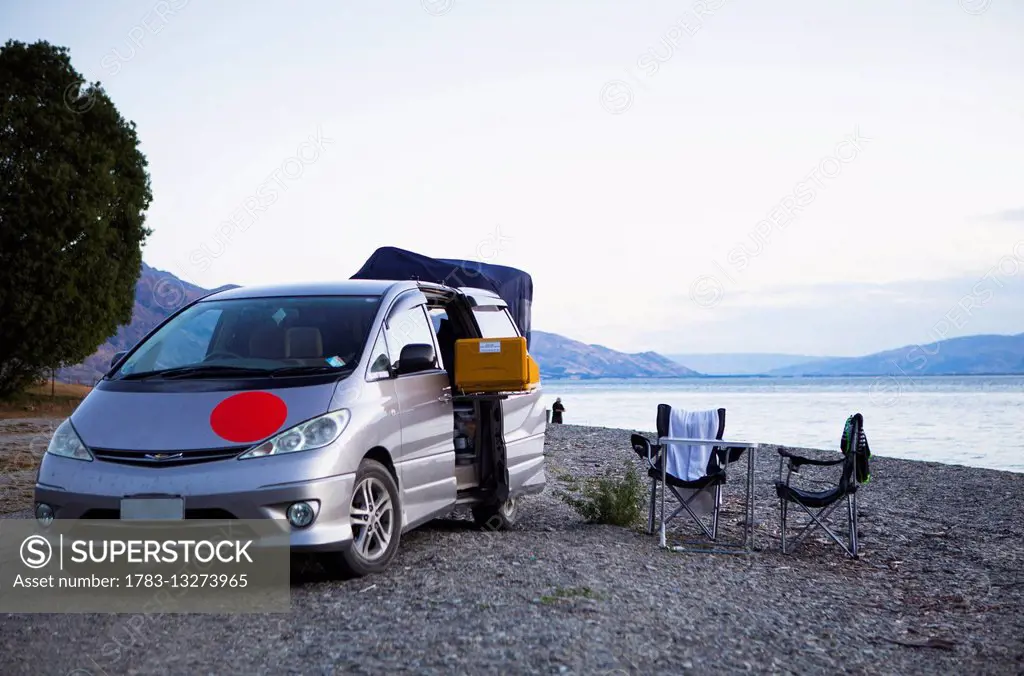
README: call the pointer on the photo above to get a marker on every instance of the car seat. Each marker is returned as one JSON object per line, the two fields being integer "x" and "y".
{"x": 303, "y": 342}
{"x": 267, "y": 343}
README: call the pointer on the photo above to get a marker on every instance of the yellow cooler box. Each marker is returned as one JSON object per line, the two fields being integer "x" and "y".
{"x": 494, "y": 365}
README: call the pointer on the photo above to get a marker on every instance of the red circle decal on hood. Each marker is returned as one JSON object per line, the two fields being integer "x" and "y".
{"x": 249, "y": 416}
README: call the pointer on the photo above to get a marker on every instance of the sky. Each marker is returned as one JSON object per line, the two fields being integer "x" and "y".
{"x": 698, "y": 176}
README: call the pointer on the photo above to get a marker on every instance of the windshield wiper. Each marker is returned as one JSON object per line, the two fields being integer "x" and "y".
{"x": 195, "y": 371}
{"x": 307, "y": 370}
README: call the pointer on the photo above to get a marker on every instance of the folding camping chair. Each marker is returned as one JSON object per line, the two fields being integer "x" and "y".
{"x": 855, "y": 470}
{"x": 714, "y": 478}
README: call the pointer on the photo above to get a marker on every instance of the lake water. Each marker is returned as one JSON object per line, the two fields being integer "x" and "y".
{"x": 974, "y": 420}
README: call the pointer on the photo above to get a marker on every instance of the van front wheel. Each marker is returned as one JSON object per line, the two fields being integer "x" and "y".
{"x": 376, "y": 522}
{"x": 497, "y": 516}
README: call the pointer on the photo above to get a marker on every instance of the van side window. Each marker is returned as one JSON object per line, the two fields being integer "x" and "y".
{"x": 409, "y": 327}
{"x": 445, "y": 331}
{"x": 495, "y": 322}
{"x": 380, "y": 362}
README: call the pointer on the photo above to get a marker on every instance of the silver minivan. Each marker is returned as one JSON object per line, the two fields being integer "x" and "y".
{"x": 331, "y": 406}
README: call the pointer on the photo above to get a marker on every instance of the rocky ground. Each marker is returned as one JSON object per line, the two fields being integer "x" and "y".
{"x": 938, "y": 589}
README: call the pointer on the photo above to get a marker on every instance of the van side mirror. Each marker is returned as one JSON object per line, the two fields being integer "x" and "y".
{"x": 415, "y": 358}
{"x": 116, "y": 358}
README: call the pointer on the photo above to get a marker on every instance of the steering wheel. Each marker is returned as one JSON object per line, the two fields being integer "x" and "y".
{"x": 224, "y": 353}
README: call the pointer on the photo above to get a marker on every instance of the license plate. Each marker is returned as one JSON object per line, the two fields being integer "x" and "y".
{"x": 152, "y": 509}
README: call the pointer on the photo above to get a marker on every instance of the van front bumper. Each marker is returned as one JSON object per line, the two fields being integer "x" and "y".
{"x": 76, "y": 497}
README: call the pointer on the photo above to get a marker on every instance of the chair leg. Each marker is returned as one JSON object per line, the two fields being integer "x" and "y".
{"x": 782, "y": 509}
{"x": 714, "y": 513}
{"x": 820, "y": 520}
{"x": 650, "y": 514}
{"x": 851, "y": 502}
{"x": 684, "y": 506}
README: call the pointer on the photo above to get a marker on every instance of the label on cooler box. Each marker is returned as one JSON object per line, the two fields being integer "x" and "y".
{"x": 490, "y": 347}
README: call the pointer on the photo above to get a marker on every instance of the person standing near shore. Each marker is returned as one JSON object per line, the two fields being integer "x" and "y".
{"x": 556, "y": 411}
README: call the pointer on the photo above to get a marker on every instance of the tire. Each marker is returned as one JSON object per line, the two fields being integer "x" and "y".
{"x": 369, "y": 554}
{"x": 496, "y": 517}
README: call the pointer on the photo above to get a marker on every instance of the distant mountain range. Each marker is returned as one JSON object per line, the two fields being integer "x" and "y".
{"x": 561, "y": 357}
{"x": 969, "y": 355}
{"x": 741, "y": 364}
{"x": 159, "y": 293}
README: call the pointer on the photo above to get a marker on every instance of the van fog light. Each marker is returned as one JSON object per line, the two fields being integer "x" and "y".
{"x": 300, "y": 514}
{"x": 44, "y": 513}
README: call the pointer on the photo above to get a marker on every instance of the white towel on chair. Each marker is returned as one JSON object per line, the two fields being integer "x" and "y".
{"x": 684, "y": 461}
{"x": 689, "y": 462}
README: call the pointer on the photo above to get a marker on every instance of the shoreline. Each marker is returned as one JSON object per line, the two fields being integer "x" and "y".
{"x": 938, "y": 589}
{"x": 763, "y": 376}
{"x": 772, "y": 449}
{"x": 971, "y": 422}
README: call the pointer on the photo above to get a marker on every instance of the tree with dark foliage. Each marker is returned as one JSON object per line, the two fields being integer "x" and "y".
{"x": 73, "y": 194}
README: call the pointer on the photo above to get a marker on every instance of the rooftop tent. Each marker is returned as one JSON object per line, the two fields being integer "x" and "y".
{"x": 514, "y": 286}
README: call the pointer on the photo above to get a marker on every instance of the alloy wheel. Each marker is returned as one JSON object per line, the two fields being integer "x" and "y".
{"x": 373, "y": 518}
{"x": 508, "y": 508}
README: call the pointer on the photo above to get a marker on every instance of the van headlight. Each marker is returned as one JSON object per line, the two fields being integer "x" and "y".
{"x": 315, "y": 433}
{"x": 67, "y": 444}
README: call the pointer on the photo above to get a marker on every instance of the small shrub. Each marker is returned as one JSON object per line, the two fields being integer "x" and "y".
{"x": 561, "y": 594}
{"x": 613, "y": 500}
{"x": 570, "y": 481}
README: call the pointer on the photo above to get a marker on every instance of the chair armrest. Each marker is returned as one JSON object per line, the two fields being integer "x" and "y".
{"x": 725, "y": 456}
{"x": 728, "y": 454}
{"x": 654, "y": 459}
{"x": 796, "y": 460}
{"x": 653, "y": 451}
{"x": 733, "y": 454}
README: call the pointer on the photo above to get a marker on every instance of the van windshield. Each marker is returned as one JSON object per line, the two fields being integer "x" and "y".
{"x": 257, "y": 337}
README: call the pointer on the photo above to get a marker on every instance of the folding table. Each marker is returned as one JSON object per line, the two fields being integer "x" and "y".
{"x": 748, "y": 527}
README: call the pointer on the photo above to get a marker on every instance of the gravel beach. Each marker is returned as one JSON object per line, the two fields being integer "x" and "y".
{"x": 938, "y": 590}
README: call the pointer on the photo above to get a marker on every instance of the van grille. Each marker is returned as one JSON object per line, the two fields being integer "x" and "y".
{"x": 204, "y": 514}
{"x": 166, "y": 458}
